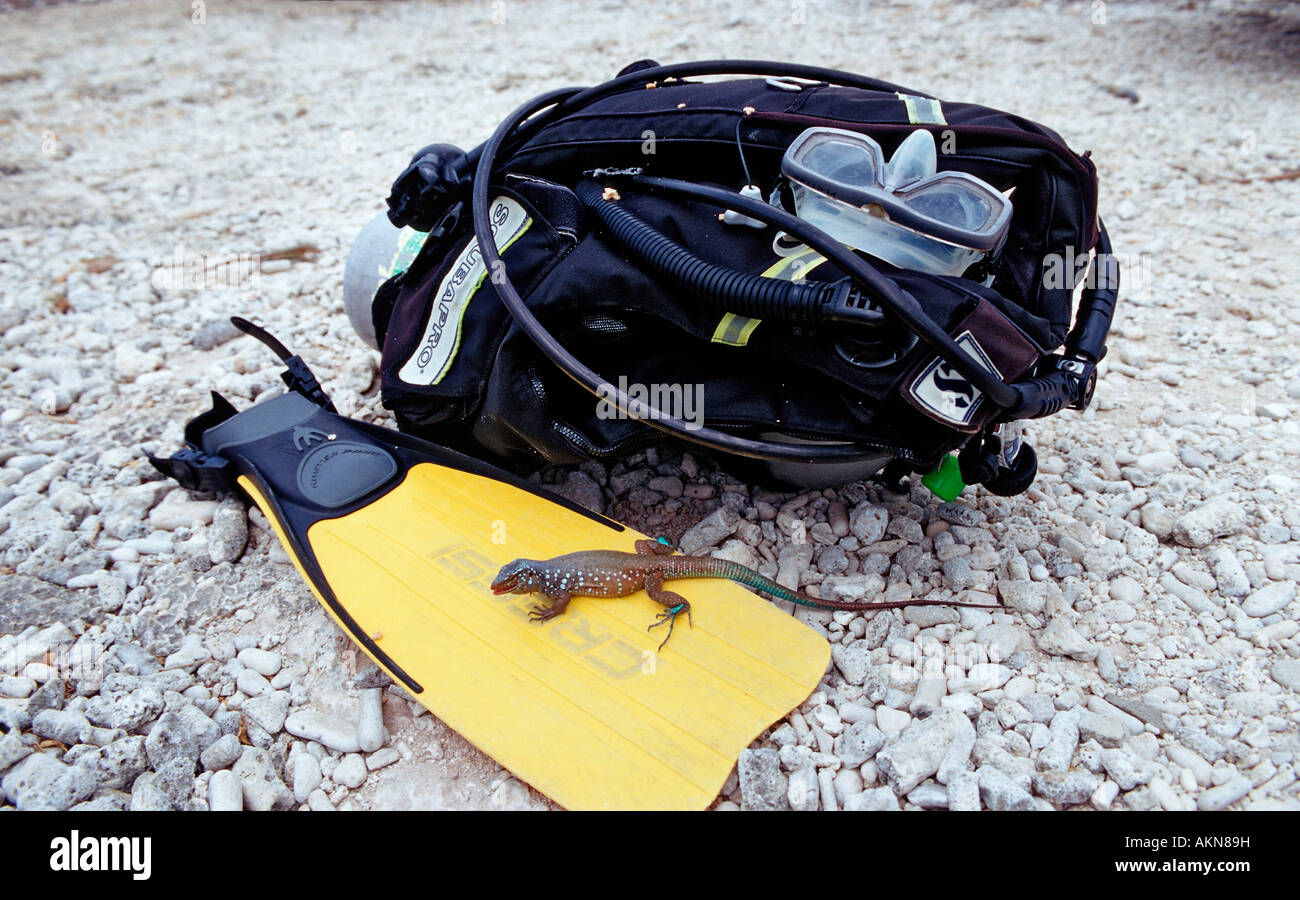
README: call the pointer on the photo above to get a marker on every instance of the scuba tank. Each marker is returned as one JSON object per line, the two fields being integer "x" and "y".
{"x": 380, "y": 251}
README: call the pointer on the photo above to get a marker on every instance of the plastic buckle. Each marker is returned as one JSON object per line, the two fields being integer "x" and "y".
{"x": 197, "y": 471}
{"x": 300, "y": 378}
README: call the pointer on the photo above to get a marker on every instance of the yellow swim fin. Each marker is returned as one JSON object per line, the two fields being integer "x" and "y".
{"x": 399, "y": 539}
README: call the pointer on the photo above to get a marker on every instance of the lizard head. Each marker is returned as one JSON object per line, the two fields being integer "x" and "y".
{"x": 518, "y": 577}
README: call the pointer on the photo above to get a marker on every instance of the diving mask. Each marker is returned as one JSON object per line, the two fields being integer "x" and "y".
{"x": 903, "y": 210}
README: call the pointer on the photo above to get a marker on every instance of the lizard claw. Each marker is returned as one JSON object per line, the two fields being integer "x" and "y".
{"x": 669, "y": 616}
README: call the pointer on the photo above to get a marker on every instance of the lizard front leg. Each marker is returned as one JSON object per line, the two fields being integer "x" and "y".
{"x": 673, "y": 604}
{"x": 559, "y": 602}
{"x": 653, "y": 548}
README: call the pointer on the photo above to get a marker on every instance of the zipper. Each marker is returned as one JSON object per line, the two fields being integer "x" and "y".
{"x": 620, "y": 447}
{"x": 857, "y": 444}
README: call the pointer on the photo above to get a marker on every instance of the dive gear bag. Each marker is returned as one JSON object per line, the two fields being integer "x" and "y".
{"x": 623, "y": 293}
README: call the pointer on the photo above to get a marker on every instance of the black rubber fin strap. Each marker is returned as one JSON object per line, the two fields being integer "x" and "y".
{"x": 192, "y": 468}
{"x": 299, "y": 377}
{"x": 262, "y": 335}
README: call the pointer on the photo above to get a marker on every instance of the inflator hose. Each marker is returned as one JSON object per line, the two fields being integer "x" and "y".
{"x": 1097, "y": 305}
{"x": 726, "y": 289}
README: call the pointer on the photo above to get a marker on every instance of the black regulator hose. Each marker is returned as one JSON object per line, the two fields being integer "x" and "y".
{"x": 727, "y": 289}
{"x": 1097, "y": 305}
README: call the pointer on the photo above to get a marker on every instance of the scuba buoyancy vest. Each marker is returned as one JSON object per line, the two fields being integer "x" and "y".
{"x": 622, "y": 261}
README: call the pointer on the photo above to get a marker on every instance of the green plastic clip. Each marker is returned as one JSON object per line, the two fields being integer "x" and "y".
{"x": 945, "y": 481}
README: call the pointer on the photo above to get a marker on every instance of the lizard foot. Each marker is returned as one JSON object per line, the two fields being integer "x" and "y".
{"x": 541, "y": 613}
{"x": 559, "y": 603}
{"x": 669, "y": 616}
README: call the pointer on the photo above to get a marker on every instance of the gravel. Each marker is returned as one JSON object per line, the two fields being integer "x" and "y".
{"x": 1223, "y": 796}
{"x": 1066, "y": 788}
{"x": 918, "y": 751}
{"x": 225, "y": 793}
{"x": 964, "y": 793}
{"x": 306, "y": 776}
{"x": 263, "y": 662}
{"x": 331, "y": 731}
{"x": 40, "y": 781}
{"x": 859, "y": 742}
{"x": 262, "y": 786}
{"x": 268, "y": 711}
{"x": 802, "y": 791}
{"x": 1000, "y": 792}
{"x": 370, "y": 722}
{"x": 1269, "y": 599}
{"x": 762, "y": 785}
{"x": 351, "y": 771}
{"x": 222, "y": 754}
{"x": 874, "y": 800}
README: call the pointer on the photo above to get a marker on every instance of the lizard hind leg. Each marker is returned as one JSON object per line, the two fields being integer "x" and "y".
{"x": 673, "y": 604}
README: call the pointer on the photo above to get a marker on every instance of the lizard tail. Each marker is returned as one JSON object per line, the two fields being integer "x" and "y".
{"x": 725, "y": 568}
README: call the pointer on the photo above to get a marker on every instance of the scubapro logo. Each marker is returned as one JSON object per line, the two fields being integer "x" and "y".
{"x": 440, "y": 340}
{"x": 305, "y": 437}
{"x": 102, "y": 854}
{"x": 961, "y": 392}
{"x": 944, "y": 393}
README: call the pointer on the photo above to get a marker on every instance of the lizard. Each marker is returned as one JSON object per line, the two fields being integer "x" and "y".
{"x": 616, "y": 573}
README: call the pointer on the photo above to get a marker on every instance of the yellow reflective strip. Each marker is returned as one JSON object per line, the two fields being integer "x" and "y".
{"x": 734, "y": 330}
{"x": 746, "y": 330}
{"x": 775, "y": 270}
{"x": 922, "y": 110}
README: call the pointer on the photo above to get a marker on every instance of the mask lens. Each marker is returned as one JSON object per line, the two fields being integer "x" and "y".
{"x": 842, "y": 161}
{"x": 953, "y": 203}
